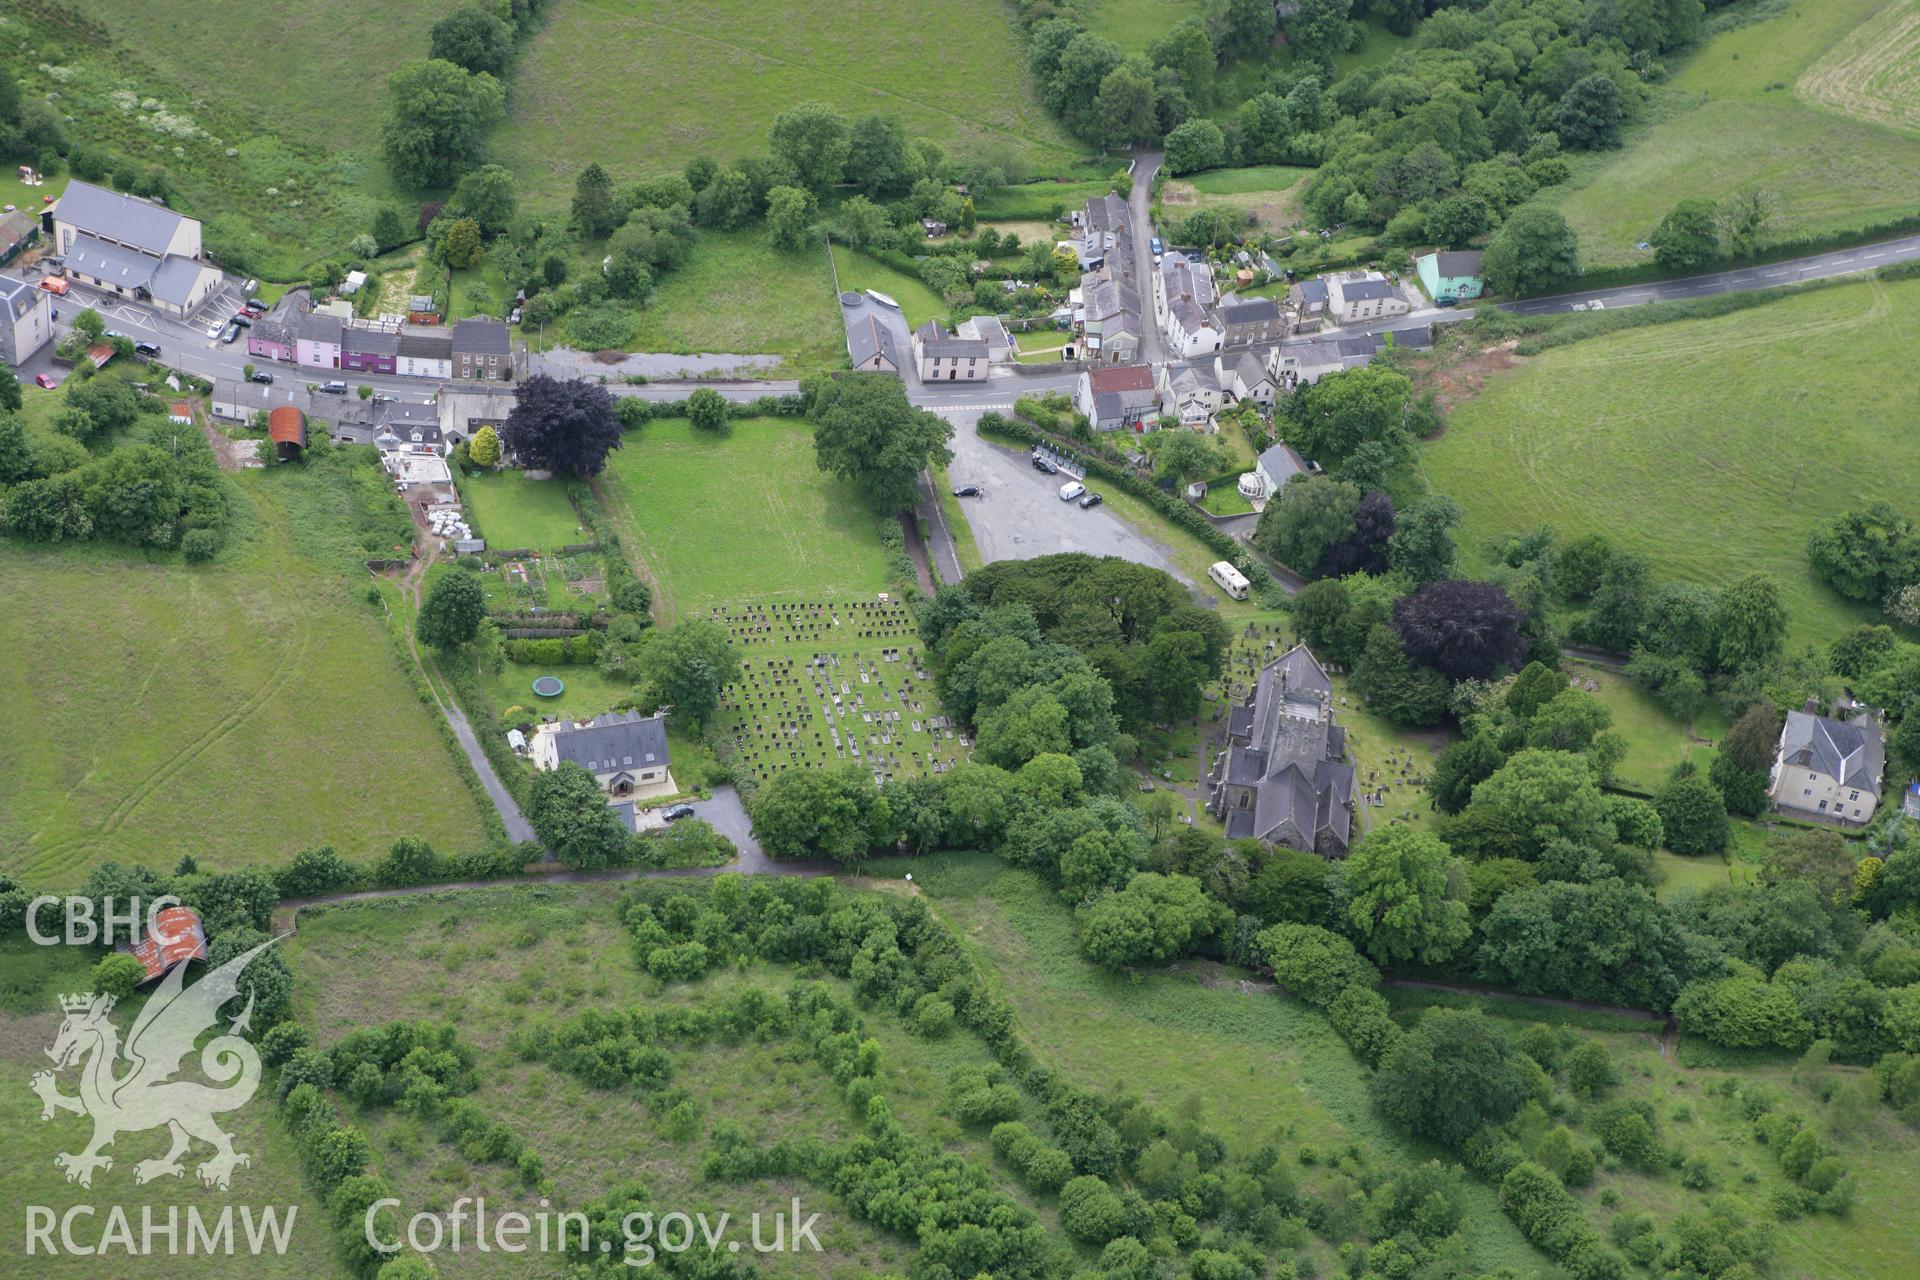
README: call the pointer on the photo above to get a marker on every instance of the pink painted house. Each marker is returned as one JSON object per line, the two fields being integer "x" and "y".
{"x": 270, "y": 340}
{"x": 317, "y": 340}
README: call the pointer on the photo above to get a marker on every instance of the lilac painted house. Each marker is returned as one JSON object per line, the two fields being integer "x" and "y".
{"x": 270, "y": 340}
{"x": 369, "y": 350}
{"x": 317, "y": 340}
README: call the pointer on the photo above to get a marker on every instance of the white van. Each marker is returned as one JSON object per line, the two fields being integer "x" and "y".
{"x": 1071, "y": 490}
{"x": 1229, "y": 579}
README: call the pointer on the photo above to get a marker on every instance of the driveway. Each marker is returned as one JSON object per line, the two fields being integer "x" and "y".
{"x": 1021, "y": 515}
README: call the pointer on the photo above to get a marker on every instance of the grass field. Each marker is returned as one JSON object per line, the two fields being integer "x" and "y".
{"x": 306, "y": 173}
{"x": 237, "y": 711}
{"x": 742, "y": 296}
{"x": 917, "y": 302}
{"x": 1261, "y": 1067}
{"x": 1734, "y": 118}
{"x": 733, "y": 68}
{"x": 1656, "y": 742}
{"x": 791, "y": 532}
{"x": 1874, "y": 73}
{"x": 511, "y": 511}
{"x": 1686, "y": 443}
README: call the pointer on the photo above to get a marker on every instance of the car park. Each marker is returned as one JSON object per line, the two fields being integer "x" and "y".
{"x": 1091, "y": 501}
{"x": 1071, "y": 490}
{"x": 966, "y": 491}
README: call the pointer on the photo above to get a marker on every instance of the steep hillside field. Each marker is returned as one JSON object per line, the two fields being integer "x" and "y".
{"x": 642, "y": 86}
{"x": 237, "y": 711}
{"x": 1712, "y": 446}
{"x": 1756, "y": 107}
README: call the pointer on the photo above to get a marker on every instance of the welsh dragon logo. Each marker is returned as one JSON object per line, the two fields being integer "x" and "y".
{"x": 145, "y": 1095}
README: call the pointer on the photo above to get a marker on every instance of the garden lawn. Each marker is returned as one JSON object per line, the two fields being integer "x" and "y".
{"x": 237, "y": 711}
{"x": 1711, "y": 446}
{"x": 1747, "y": 111}
{"x": 744, "y": 517}
{"x": 1262, "y": 177}
{"x": 512, "y": 512}
{"x": 1656, "y": 742}
{"x": 917, "y": 302}
{"x": 740, "y": 295}
{"x": 594, "y": 84}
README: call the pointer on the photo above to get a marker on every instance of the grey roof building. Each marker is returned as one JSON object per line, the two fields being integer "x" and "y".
{"x": 624, "y": 751}
{"x": 175, "y": 280}
{"x": 1367, "y": 290}
{"x": 111, "y": 264}
{"x": 481, "y": 337}
{"x": 1827, "y": 767}
{"x": 420, "y": 344}
{"x": 371, "y": 342}
{"x": 931, "y": 340}
{"x": 127, "y": 220}
{"x": 1283, "y": 778}
{"x": 1243, "y": 311}
{"x": 870, "y": 345}
{"x": 314, "y": 327}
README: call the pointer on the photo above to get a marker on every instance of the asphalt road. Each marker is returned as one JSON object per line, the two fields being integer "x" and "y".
{"x": 1021, "y": 516}
{"x": 1140, "y": 219}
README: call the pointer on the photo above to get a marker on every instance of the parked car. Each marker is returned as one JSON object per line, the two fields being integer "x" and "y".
{"x": 1157, "y": 247}
{"x": 675, "y": 812}
{"x": 264, "y": 378}
{"x": 229, "y": 333}
{"x": 1091, "y": 501}
{"x": 966, "y": 491}
{"x": 1044, "y": 467}
{"x": 385, "y": 397}
{"x": 333, "y": 388}
{"x": 46, "y": 380}
{"x": 150, "y": 350}
{"x": 1071, "y": 490}
{"x": 254, "y": 307}
{"x": 242, "y": 319}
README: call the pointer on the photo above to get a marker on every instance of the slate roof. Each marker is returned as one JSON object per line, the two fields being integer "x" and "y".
{"x": 1107, "y": 213}
{"x": 1312, "y": 290}
{"x": 125, "y": 219}
{"x": 1458, "y": 262}
{"x": 1250, "y": 311}
{"x": 1367, "y": 290}
{"x": 614, "y": 741}
{"x": 1249, "y": 368}
{"x": 175, "y": 279}
{"x": 1303, "y": 792}
{"x": 16, "y": 294}
{"x": 318, "y": 328}
{"x": 935, "y": 341}
{"x": 128, "y": 268}
{"x": 986, "y": 328}
{"x": 371, "y": 342}
{"x": 1851, "y": 753}
{"x": 1281, "y": 463}
{"x": 269, "y": 330}
{"x": 481, "y": 337}
{"x": 426, "y": 346}
{"x": 867, "y": 338}
{"x": 15, "y": 227}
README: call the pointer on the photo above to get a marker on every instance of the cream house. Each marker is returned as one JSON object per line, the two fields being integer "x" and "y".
{"x": 625, "y": 752}
{"x": 1827, "y": 767}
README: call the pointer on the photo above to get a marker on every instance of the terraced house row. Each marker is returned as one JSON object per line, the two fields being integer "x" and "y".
{"x": 474, "y": 350}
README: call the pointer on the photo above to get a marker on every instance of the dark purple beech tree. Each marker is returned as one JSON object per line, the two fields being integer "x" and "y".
{"x": 1365, "y": 549}
{"x": 566, "y": 426}
{"x": 1463, "y": 630}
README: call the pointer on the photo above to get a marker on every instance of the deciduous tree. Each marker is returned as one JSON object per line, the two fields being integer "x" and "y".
{"x": 866, "y": 432}
{"x": 437, "y": 118}
{"x": 562, "y": 425}
{"x": 453, "y": 611}
{"x": 1406, "y": 897}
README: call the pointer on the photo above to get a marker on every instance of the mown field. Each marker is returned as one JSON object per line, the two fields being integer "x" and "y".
{"x": 237, "y": 711}
{"x": 745, "y": 517}
{"x": 1711, "y": 446}
{"x": 1798, "y": 105}
{"x": 917, "y": 302}
{"x": 511, "y": 511}
{"x": 663, "y": 83}
{"x": 1874, "y": 73}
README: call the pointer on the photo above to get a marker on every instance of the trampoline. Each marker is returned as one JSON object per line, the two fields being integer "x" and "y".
{"x": 549, "y": 686}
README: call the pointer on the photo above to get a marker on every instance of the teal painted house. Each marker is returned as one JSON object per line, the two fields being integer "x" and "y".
{"x": 1451, "y": 276}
